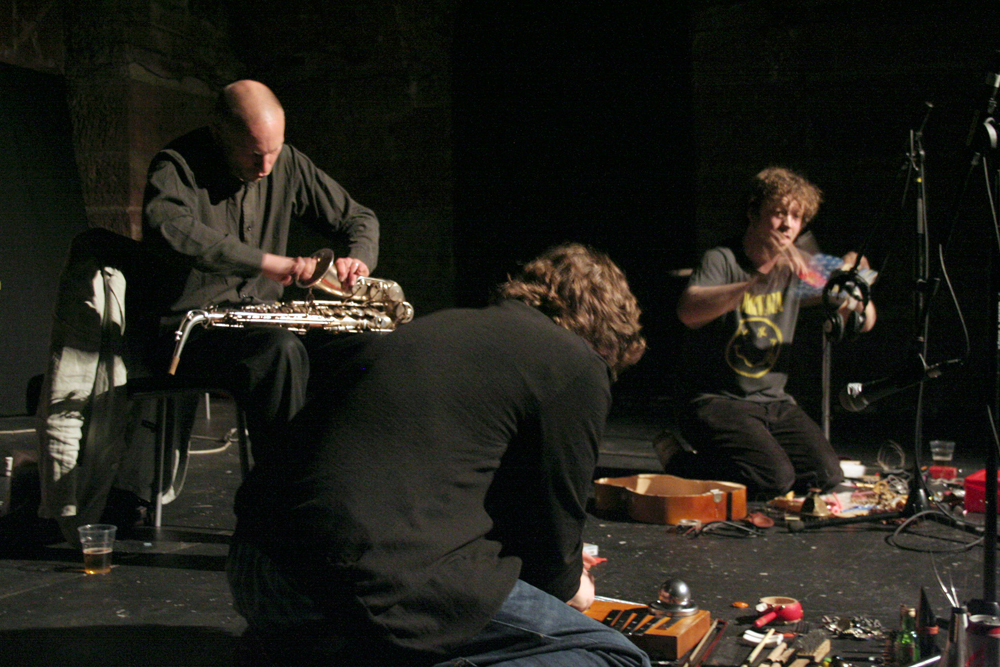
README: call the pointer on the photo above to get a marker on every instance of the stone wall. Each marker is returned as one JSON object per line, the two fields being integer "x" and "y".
{"x": 366, "y": 88}
{"x": 139, "y": 73}
{"x": 32, "y": 35}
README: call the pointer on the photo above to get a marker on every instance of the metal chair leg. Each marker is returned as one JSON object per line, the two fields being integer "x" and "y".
{"x": 241, "y": 433}
{"x": 159, "y": 457}
{"x": 166, "y": 392}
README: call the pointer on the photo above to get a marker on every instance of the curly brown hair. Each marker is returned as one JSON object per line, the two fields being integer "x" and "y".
{"x": 777, "y": 183}
{"x": 582, "y": 290}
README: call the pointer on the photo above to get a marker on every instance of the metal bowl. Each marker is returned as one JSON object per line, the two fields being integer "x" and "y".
{"x": 674, "y": 598}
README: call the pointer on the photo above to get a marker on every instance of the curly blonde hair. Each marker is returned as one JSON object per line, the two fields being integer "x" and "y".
{"x": 582, "y": 290}
{"x": 777, "y": 183}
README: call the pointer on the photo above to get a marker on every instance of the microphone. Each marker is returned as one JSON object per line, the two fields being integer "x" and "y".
{"x": 857, "y": 396}
{"x": 992, "y": 88}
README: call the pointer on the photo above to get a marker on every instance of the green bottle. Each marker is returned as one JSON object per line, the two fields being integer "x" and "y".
{"x": 907, "y": 646}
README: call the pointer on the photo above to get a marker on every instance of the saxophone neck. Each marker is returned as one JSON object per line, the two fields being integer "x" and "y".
{"x": 181, "y": 335}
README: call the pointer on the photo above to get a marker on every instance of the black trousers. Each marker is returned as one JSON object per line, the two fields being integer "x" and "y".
{"x": 272, "y": 371}
{"x": 770, "y": 447}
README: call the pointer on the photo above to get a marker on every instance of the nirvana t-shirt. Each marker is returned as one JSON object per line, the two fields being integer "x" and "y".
{"x": 742, "y": 354}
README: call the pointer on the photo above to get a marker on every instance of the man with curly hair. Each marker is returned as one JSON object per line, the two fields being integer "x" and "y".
{"x": 432, "y": 510}
{"x": 741, "y": 306}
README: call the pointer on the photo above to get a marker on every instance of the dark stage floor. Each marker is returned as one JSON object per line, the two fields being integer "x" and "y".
{"x": 166, "y": 601}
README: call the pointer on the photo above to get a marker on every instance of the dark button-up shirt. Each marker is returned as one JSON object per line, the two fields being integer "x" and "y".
{"x": 213, "y": 229}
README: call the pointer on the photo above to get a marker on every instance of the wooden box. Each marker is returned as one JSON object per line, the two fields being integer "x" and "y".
{"x": 663, "y": 638}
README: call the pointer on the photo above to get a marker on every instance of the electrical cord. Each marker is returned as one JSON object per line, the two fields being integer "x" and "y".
{"x": 728, "y": 529}
{"x": 938, "y": 509}
{"x": 893, "y": 539}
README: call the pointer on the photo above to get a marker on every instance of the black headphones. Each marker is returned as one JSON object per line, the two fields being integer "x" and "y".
{"x": 838, "y": 330}
{"x": 840, "y": 286}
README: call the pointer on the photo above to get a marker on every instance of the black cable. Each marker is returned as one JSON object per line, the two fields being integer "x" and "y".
{"x": 729, "y": 529}
{"x": 892, "y": 539}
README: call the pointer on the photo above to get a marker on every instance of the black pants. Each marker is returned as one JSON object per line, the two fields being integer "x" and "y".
{"x": 770, "y": 447}
{"x": 272, "y": 370}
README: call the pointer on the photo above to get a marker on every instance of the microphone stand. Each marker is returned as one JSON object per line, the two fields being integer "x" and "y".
{"x": 988, "y": 603}
{"x": 825, "y": 381}
{"x": 917, "y": 497}
{"x": 984, "y": 137}
{"x": 916, "y": 500}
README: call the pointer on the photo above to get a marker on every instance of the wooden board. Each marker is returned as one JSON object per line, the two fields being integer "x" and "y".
{"x": 661, "y": 637}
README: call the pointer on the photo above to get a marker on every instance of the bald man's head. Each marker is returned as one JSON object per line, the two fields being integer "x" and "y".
{"x": 250, "y": 128}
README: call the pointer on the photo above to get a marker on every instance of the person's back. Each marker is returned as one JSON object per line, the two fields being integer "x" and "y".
{"x": 391, "y": 477}
{"x": 432, "y": 503}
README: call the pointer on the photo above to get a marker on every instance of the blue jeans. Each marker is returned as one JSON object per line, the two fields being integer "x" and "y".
{"x": 531, "y": 629}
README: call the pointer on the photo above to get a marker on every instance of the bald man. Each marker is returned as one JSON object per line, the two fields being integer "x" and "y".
{"x": 218, "y": 207}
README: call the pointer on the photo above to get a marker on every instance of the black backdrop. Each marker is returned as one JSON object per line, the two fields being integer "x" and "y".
{"x": 41, "y": 210}
{"x": 575, "y": 126}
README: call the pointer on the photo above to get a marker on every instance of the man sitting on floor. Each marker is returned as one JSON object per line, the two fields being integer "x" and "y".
{"x": 741, "y": 307}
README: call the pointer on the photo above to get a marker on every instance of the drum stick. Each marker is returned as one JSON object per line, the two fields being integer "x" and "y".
{"x": 760, "y": 647}
{"x": 723, "y": 624}
{"x": 701, "y": 644}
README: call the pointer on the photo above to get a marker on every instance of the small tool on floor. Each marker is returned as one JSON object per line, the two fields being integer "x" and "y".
{"x": 785, "y": 656}
{"x": 723, "y": 624}
{"x": 777, "y": 608}
{"x": 674, "y": 598}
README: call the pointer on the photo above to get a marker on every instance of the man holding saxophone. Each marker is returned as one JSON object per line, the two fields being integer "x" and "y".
{"x": 217, "y": 210}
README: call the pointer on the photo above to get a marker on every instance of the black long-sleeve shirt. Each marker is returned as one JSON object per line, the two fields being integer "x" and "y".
{"x": 212, "y": 229}
{"x": 458, "y": 458}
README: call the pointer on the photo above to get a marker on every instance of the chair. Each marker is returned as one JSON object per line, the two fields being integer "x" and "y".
{"x": 166, "y": 390}
{"x": 102, "y": 334}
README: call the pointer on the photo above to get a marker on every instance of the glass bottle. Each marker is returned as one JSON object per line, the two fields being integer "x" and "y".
{"x": 5, "y": 480}
{"x": 907, "y": 646}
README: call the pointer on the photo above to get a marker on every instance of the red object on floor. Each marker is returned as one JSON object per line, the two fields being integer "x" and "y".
{"x": 975, "y": 492}
{"x": 945, "y": 472}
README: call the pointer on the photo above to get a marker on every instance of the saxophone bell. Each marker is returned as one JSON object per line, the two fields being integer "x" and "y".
{"x": 325, "y": 275}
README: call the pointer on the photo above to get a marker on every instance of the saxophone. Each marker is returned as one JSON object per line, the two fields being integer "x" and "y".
{"x": 373, "y": 304}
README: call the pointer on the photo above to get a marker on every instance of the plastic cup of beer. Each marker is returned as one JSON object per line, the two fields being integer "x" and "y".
{"x": 942, "y": 450}
{"x": 98, "y": 541}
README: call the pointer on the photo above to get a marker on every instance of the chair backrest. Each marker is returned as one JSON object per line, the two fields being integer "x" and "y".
{"x": 98, "y": 248}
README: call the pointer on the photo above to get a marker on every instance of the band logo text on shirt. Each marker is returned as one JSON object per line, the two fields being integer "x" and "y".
{"x": 762, "y": 305}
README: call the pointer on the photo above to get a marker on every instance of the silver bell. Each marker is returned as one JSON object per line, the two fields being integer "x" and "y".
{"x": 674, "y": 598}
